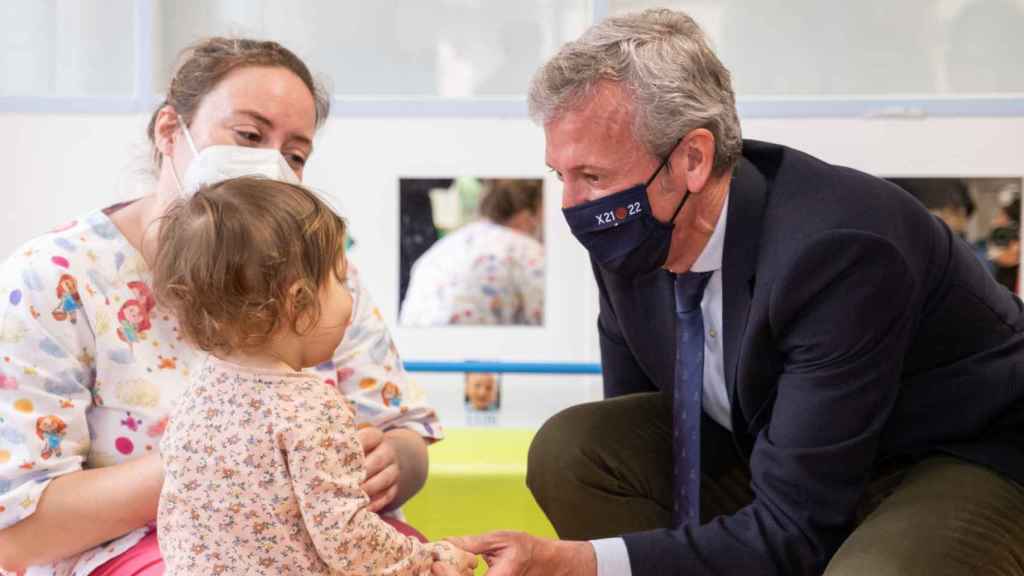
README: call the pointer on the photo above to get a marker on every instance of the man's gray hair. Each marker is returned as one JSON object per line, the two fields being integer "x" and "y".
{"x": 662, "y": 59}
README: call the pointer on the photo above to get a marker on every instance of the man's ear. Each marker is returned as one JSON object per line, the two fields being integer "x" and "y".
{"x": 694, "y": 159}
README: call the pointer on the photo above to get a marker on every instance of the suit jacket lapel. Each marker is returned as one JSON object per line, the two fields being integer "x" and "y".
{"x": 747, "y": 195}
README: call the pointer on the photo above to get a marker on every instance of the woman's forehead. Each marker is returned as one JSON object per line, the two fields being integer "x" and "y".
{"x": 266, "y": 94}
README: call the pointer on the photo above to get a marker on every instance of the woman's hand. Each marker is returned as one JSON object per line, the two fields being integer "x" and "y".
{"x": 383, "y": 468}
{"x": 396, "y": 466}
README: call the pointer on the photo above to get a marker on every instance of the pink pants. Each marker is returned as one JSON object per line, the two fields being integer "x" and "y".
{"x": 144, "y": 558}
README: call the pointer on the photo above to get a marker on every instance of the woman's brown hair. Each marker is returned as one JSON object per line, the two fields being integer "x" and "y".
{"x": 204, "y": 64}
{"x": 504, "y": 198}
{"x": 245, "y": 257}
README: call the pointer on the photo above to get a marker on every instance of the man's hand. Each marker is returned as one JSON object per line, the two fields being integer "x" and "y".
{"x": 520, "y": 554}
{"x": 383, "y": 470}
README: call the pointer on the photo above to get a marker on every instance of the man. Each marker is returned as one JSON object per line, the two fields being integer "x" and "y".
{"x": 805, "y": 371}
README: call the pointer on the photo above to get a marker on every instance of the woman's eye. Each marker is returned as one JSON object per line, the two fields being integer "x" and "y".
{"x": 297, "y": 159}
{"x": 248, "y": 136}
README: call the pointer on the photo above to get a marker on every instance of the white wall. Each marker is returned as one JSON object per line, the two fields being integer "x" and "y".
{"x": 61, "y": 165}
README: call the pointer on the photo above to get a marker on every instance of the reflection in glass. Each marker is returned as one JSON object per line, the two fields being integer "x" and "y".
{"x": 984, "y": 212}
{"x": 471, "y": 252}
{"x": 69, "y": 49}
{"x": 786, "y": 48}
{"x": 421, "y": 48}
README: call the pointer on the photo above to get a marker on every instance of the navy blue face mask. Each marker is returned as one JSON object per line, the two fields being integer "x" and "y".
{"x": 621, "y": 233}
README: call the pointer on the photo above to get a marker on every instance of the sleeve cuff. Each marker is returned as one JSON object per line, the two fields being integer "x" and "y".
{"x": 21, "y": 502}
{"x": 612, "y": 557}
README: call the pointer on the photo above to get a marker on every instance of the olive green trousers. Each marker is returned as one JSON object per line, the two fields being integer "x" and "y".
{"x": 604, "y": 468}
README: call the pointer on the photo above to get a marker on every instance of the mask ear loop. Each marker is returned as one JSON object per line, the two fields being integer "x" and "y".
{"x": 188, "y": 136}
{"x": 680, "y": 207}
{"x": 664, "y": 163}
{"x": 191, "y": 144}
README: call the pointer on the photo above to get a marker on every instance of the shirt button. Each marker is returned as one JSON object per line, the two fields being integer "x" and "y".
{"x": 712, "y": 333}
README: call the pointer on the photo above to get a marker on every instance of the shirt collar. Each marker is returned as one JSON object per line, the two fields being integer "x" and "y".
{"x": 710, "y": 258}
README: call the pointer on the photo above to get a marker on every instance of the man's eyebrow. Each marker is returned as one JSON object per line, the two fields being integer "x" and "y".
{"x": 582, "y": 167}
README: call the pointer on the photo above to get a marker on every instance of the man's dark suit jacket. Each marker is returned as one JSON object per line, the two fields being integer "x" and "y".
{"x": 857, "y": 330}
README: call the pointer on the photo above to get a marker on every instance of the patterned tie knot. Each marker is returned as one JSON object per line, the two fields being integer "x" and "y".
{"x": 690, "y": 290}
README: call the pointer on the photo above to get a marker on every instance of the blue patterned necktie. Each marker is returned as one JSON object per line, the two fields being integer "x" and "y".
{"x": 686, "y": 399}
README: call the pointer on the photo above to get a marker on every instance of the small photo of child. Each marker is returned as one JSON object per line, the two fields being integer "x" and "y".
{"x": 483, "y": 391}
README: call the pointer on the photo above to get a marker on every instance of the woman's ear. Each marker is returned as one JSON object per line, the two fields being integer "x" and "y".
{"x": 165, "y": 130}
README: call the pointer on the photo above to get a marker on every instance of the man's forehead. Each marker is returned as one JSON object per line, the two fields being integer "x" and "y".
{"x": 602, "y": 118}
{"x": 606, "y": 105}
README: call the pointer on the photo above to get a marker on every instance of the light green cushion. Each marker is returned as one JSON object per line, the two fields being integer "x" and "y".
{"x": 477, "y": 484}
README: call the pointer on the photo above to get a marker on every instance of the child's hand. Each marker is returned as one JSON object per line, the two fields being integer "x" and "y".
{"x": 450, "y": 560}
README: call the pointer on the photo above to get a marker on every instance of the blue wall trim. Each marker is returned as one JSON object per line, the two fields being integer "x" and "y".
{"x": 511, "y": 107}
{"x": 506, "y": 367}
{"x": 70, "y": 105}
{"x": 908, "y": 108}
{"x": 515, "y": 108}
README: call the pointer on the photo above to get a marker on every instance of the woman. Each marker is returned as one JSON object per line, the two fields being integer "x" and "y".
{"x": 81, "y": 343}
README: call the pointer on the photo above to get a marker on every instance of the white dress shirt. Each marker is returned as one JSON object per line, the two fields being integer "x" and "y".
{"x": 612, "y": 555}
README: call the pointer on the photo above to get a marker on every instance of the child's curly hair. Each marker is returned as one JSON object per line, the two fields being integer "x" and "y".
{"x": 244, "y": 257}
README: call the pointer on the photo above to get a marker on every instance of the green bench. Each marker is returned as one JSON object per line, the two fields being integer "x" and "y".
{"x": 477, "y": 484}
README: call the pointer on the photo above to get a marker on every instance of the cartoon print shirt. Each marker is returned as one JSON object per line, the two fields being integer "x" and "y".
{"x": 482, "y": 273}
{"x": 90, "y": 368}
{"x": 262, "y": 477}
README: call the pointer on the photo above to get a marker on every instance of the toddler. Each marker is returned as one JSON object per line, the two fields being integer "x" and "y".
{"x": 263, "y": 468}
